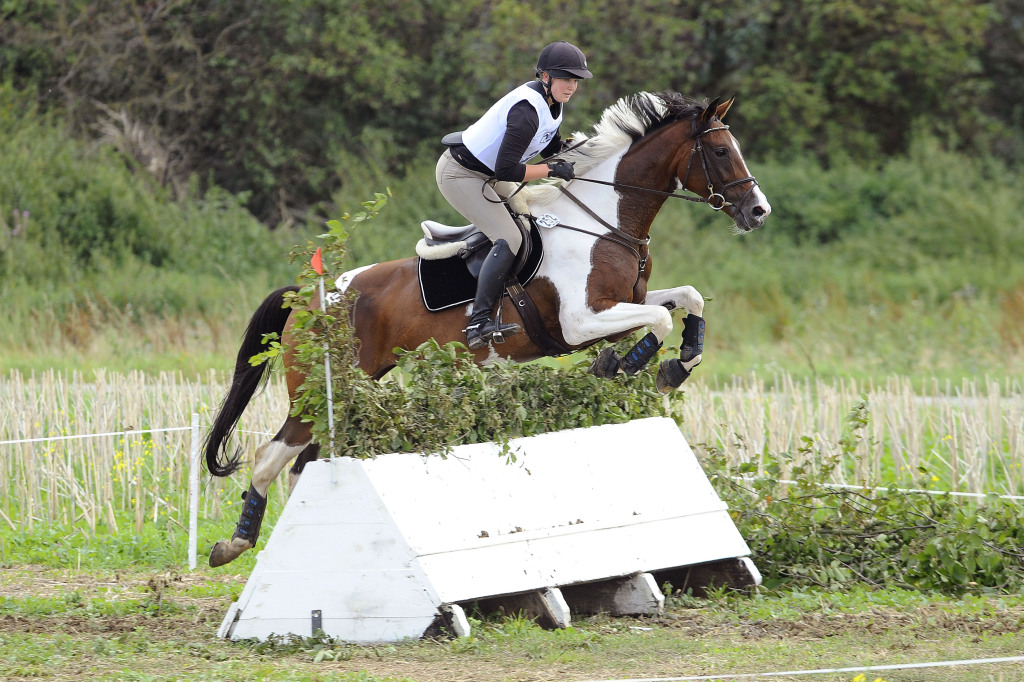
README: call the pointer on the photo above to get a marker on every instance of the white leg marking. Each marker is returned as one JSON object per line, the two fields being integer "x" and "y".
{"x": 586, "y": 325}
{"x": 685, "y": 297}
{"x": 271, "y": 459}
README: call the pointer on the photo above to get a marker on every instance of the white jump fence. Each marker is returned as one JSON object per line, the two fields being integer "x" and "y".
{"x": 580, "y": 522}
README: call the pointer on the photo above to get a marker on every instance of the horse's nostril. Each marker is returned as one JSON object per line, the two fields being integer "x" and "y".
{"x": 758, "y": 211}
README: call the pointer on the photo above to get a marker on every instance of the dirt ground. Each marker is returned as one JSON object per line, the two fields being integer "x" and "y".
{"x": 171, "y": 619}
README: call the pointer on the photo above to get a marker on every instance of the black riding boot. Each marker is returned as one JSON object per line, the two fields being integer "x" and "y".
{"x": 489, "y": 286}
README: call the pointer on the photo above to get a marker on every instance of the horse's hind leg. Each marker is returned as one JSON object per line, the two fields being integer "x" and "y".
{"x": 271, "y": 459}
{"x": 310, "y": 454}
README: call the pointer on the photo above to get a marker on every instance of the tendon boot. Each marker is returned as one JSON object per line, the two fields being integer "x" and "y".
{"x": 640, "y": 354}
{"x": 489, "y": 287}
{"x": 672, "y": 373}
{"x": 693, "y": 341}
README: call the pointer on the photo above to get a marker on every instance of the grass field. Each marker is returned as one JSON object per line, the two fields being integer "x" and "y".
{"x": 876, "y": 317}
{"x": 134, "y": 623}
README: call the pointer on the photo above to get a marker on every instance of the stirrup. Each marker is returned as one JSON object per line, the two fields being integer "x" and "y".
{"x": 479, "y": 335}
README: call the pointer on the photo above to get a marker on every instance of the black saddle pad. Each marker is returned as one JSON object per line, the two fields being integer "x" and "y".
{"x": 447, "y": 282}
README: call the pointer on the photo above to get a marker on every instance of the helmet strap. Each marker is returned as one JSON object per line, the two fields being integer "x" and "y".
{"x": 547, "y": 85}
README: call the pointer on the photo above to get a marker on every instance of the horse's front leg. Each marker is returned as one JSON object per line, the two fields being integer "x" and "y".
{"x": 672, "y": 373}
{"x": 686, "y": 298}
{"x": 271, "y": 459}
{"x": 581, "y": 326}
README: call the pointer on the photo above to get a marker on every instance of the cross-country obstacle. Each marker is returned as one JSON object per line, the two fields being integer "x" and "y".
{"x": 400, "y": 546}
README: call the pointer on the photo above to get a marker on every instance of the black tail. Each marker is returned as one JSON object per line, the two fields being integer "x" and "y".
{"x": 270, "y": 317}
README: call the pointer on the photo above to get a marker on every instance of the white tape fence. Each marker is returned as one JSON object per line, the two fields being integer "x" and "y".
{"x": 829, "y": 671}
{"x": 969, "y": 435}
{"x": 116, "y": 450}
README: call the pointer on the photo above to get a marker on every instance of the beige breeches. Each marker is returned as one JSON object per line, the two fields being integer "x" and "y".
{"x": 478, "y": 203}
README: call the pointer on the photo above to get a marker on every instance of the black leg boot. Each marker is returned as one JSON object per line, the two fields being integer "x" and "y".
{"x": 489, "y": 286}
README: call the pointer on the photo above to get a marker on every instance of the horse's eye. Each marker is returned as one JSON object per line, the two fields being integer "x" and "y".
{"x": 721, "y": 151}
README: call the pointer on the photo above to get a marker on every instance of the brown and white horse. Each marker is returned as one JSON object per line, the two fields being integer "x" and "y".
{"x": 590, "y": 286}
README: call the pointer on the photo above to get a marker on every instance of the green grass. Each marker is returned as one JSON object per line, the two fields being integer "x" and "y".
{"x": 159, "y": 546}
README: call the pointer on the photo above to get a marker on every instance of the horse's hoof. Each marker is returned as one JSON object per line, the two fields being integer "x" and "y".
{"x": 606, "y": 364}
{"x": 226, "y": 551}
{"x": 671, "y": 375}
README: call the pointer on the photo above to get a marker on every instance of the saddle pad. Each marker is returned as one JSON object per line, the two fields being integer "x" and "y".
{"x": 447, "y": 282}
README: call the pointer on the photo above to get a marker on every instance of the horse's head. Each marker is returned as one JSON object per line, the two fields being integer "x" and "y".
{"x": 715, "y": 170}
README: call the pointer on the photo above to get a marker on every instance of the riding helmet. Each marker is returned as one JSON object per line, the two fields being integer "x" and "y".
{"x": 563, "y": 60}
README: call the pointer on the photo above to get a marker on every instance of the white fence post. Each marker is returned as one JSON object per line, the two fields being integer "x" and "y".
{"x": 193, "y": 494}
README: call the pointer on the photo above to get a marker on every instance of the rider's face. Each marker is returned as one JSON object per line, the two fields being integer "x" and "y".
{"x": 563, "y": 88}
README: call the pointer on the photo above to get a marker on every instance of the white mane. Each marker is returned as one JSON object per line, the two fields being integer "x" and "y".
{"x": 621, "y": 124}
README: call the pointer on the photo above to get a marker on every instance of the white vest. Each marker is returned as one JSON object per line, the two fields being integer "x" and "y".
{"x": 484, "y": 137}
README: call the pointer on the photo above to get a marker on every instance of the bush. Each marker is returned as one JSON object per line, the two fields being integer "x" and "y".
{"x": 87, "y": 244}
{"x": 811, "y": 533}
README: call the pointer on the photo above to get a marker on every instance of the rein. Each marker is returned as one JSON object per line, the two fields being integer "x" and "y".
{"x": 614, "y": 230}
{"x": 716, "y": 200}
{"x": 620, "y": 185}
{"x": 617, "y": 235}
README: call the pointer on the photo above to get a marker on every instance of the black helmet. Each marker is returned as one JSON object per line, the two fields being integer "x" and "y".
{"x": 563, "y": 60}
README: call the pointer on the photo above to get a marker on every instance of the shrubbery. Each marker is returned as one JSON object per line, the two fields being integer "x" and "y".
{"x": 807, "y": 533}
{"x": 279, "y": 100}
{"x": 811, "y": 533}
{"x": 87, "y": 245}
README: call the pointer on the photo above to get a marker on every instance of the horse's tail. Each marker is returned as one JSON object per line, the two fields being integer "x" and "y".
{"x": 270, "y": 317}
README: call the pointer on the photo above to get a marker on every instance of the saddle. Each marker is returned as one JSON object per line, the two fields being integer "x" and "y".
{"x": 450, "y": 260}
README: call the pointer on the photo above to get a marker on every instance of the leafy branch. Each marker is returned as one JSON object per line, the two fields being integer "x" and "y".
{"x": 438, "y": 397}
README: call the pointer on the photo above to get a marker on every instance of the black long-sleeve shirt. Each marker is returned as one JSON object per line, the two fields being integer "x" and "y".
{"x": 521, "y": 125}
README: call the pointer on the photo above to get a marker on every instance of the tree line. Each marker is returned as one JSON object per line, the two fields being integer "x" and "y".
{"x": 281, "y": 101}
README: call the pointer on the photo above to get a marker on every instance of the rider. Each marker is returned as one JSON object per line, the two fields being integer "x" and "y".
{"x": 477, "y": 174}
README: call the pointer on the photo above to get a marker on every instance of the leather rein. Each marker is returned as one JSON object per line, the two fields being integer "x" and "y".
{"x": 716, "y": 200}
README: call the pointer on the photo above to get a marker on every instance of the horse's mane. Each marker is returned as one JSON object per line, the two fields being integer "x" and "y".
{"x": 621, "y": 124}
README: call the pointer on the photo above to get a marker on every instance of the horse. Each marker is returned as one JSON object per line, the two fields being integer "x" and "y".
{"x": 590, "y": 286}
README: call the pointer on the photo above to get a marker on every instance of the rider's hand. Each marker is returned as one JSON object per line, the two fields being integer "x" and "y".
{"x": 561, "y": 169}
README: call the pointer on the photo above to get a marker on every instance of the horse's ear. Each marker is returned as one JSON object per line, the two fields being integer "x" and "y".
{"x": 723, "y": 108}
{"x": 710, "y": 111}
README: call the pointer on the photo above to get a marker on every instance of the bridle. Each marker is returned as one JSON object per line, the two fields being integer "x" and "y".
{"x": 716, "y": 200}
{"x": 698, "y": 146}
